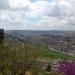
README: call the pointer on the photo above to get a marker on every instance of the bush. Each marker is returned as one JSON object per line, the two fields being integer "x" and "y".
{"x": 67, "y": 67}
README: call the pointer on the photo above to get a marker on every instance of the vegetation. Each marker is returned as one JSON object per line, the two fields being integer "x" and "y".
{"x": 68, "y": 69}
{"x": 49, "y": 53}
{"x": 40, "y": 72}
{"x": 16, "y": 57}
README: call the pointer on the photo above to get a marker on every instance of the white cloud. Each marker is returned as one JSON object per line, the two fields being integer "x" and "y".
{"x": 39, "y": 8}
{"x": 46, "y": 8}
{"x": 41, "y": 14}
{"x": 19, "y": 3}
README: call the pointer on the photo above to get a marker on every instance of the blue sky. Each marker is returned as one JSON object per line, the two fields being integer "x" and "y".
{"x": 37, "y": 14}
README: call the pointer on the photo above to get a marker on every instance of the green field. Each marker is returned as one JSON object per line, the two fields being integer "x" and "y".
{"x": 49, "y": 53}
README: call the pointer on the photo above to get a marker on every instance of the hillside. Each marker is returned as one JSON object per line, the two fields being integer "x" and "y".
{"x": 41, "y": 39}
{"x": 17, "y": 55}
{"x": 60, "y": 40}
{"x": 33, "y": 46}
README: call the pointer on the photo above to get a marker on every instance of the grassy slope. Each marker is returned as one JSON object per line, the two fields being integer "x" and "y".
{"x": 49, "y": 53}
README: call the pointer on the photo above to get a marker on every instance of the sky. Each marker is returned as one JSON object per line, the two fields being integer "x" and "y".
{"x": 37, "y": 14}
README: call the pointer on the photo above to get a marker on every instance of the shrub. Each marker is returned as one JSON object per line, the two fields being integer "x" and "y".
{"x": 67, "y": 67}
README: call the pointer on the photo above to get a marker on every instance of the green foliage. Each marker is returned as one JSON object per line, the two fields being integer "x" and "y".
{"x": 16, "y": 57}
{"x": 47, "y": 53}
{"x": 41, "y": 72}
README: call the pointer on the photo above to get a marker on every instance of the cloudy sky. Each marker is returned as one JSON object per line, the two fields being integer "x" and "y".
{"x": 37, "y": 14}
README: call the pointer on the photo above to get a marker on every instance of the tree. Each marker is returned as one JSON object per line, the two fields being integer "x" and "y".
{"x": 1, "y": 35}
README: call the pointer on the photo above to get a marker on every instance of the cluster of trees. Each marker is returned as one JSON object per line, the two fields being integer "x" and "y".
{"x": 16, "y": 57}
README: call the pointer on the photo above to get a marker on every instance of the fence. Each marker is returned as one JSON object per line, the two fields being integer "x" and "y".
{"x": 44, "y": 63}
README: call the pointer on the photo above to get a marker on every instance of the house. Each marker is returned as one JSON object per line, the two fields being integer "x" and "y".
{"x": 61, "y": 45}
